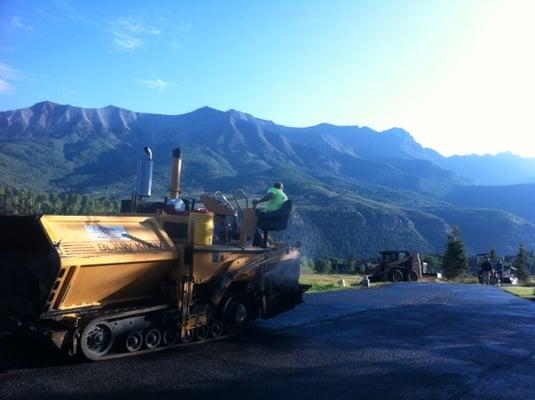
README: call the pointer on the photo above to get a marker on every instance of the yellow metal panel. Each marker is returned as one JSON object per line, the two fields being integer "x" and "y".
{"x": 206, "y": 265}
{"x": 204, "y": 228}
{"x": 93, "y": 240}
{"x": 110, "y": 284}
{"x": 109, "y": 259}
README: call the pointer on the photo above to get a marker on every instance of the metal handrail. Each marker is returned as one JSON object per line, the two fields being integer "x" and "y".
{"x": 243, "y": 196}
{"x": 221, "y": 197}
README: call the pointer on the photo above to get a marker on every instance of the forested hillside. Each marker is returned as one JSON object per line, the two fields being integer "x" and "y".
{"x": 24, "y": 202}
{"x": 517, "y": 199}
{"x": 356, "y": 191}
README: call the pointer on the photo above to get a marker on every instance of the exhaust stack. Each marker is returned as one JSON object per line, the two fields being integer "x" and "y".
{"x": 144, "y": 175}
{"x": 176, "y": 170}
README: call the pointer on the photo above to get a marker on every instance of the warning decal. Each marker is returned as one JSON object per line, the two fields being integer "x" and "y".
{"x": 100, "y": 232}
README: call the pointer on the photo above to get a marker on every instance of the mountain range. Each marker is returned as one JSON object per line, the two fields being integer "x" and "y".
{"x": 356, "y": 190}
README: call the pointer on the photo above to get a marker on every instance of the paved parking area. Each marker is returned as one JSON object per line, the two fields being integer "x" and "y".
{"x": 403, "y": 341}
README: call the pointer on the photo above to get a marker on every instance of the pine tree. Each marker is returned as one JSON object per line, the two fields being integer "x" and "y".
{"x": 352, "y": 265}
{"x": 521, "y": 264}
{"x": 454, "y": 262}
{"x": 306, "y": 264}
{"x": 323, "y": 266}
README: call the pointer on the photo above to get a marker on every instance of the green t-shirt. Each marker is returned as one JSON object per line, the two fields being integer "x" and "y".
{"x": 276, "y": 202}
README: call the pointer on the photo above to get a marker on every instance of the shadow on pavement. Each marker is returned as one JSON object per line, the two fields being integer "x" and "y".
{"x": 18, "y": 351}
{"x": 450, "y": 347}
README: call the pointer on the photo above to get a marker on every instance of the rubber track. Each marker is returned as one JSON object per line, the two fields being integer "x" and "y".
{"x": 157, "y": 349}
{"x": 133, "y": 312}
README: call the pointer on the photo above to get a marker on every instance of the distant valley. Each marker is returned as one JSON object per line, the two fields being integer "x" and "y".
{"x": 357, "y": 191}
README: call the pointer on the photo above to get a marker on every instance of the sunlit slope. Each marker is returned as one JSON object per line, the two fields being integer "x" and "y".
{"x": 356, "y": 191}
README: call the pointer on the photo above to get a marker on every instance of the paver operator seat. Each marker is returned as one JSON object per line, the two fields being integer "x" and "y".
{"x": 274, "y": 220}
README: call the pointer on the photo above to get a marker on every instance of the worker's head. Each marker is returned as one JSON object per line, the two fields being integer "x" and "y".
{"x": 278, "y": 185}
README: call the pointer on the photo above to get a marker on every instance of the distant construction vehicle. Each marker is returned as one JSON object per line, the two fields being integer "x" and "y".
{"x": 166, "y": 273}
{"x": 397, "y": 266}
{"x": 508, "y": 274}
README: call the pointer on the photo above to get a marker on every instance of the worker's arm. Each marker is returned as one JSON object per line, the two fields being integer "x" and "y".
{"x": 267, "y": 197}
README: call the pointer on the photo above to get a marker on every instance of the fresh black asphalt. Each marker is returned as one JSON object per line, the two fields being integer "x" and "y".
{"x": 404, "y": 341}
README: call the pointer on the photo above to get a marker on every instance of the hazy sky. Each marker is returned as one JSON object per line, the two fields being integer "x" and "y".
{"x": 458, "y": 75}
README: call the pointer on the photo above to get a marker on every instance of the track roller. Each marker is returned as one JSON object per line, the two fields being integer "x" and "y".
{"x": 217, "y": 328}
{"x": 188, "y": 337}
{"x": 202, "y": 332}
{"x": 170, "y": 336}
{"x": 153, "y": 338}
{"x": 134, "y": 341}
{"x": 96, "y": 339}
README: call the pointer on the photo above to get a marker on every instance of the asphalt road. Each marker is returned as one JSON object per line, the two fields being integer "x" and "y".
{"x": 406, "y": 341}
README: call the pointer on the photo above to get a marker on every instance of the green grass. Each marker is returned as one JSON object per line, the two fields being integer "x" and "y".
{"x": 468, "y": 279}
{"x": 328, "y": 282}
{"x": 520, "y": 291}
{"x": 530, "y": 282}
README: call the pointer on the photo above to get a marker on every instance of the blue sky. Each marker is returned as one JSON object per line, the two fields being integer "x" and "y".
{"x": 456, "y": 74}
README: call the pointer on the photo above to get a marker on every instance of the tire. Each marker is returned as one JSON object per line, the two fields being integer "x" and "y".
{"x": 412, "y": 276}
{"x": 396, "y": 276}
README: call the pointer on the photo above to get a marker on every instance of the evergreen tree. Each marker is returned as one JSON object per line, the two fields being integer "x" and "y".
{"x": 72, "y": 203}
{"x": 337, "y": 265}
{"x": 323, "y": 266}
{"x": 454, "y": 262}
{"x": 23, "y": 202}
{"x": 306, "y": 264}
{"x": 55, "y": 204}
{"x": 352, "y": 265}
{"x": 521, "y": 264}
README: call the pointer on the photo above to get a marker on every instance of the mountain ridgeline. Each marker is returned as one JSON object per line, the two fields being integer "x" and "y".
{"x": 356, "y": 191}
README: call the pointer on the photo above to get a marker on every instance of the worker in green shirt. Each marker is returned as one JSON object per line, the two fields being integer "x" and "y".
{"x": 274, "y": 198}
